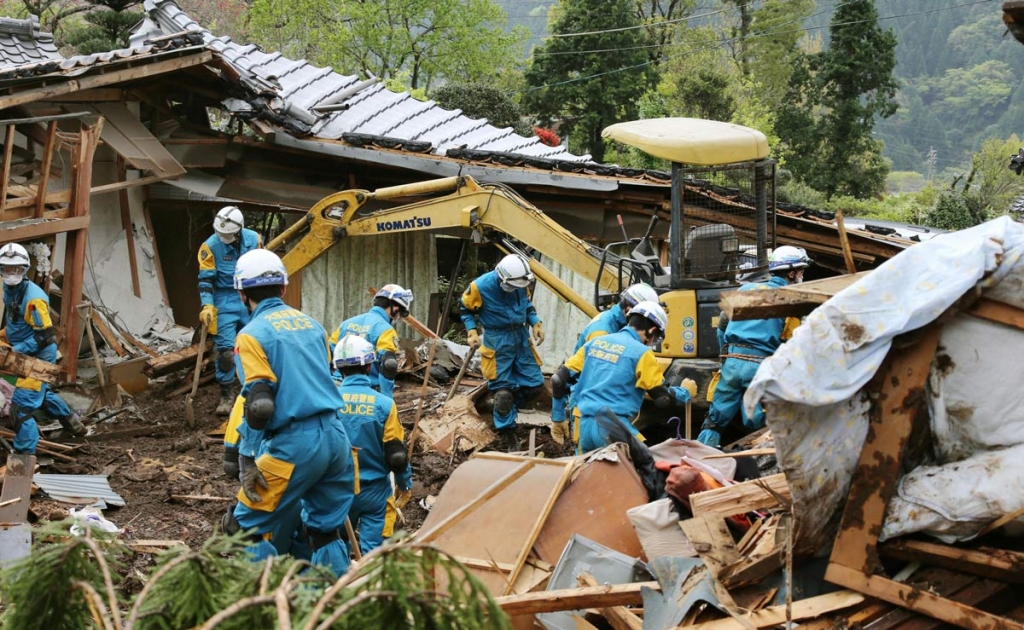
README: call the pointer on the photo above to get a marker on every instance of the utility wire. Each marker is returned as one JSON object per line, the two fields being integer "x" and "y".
{"x": 740, "y": 38}
{"x": 633, "y": 28}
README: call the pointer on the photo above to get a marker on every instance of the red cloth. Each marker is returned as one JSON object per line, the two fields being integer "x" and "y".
{"x": 685, "y": 480}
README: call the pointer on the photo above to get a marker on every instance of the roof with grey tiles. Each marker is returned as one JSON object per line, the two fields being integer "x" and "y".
{"x": 373, "y": 111}
{"x": 22, "y": 42}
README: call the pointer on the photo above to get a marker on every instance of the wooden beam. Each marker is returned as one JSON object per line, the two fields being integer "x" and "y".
{"x": 918, "y": 600}
{"x": 17, "y": 484}
{"x": 156, "y": 253}
{"x": 8, "y": 152}
{"x": 902, "y": 377}
{"x": 742, "y": 497}
{"x": 75, "y": 248}
{"x": 44, "y": 170}
{"x": 107, "y": 334}
{"x": 64, "y": 196}
{"x": 844, "y": 241}
{"x": 743, "y": 305}
{"x": 50, "y": 92}
{"x": 999, "y": 564}
{"x": 116, "y": 95}
{"x": 18, "y": 364}
{"x": 174, "y": 361}
{"x": 619, "y": 617}
{"x": 126, "y": 224}
{"x": 575, "y": 598}
{"x": 776, "y": 615}
{"x": 999, "y": 312}
{"x": 39, "y": 228}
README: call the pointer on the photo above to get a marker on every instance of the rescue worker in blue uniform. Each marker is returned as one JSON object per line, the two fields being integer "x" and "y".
{"x": 223, "y": 313}
{"x": 371, "y": 421}
{"x": 294, "y": 452}
{"x": 499, "y": 303}
{"x": 29, "y": 330}
{"x": 745, "y": 344}
{"x": 604, "y": 323}
{"x": 378, "y": 327}
{"x": 614, "y": 372}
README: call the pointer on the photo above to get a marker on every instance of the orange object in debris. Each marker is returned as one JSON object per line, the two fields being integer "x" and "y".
{"x": 685, "y": 480}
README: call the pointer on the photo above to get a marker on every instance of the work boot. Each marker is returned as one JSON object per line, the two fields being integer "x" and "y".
{"x": 71, "y": 426}
{"x": 509, "y": 440}
{"x": 227, "y": 399}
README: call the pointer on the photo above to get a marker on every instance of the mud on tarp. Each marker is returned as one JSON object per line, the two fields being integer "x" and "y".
{"x": 814, "y": 387}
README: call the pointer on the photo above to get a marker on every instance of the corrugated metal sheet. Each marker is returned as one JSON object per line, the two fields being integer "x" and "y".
{"x": 75, "y": 488}
{"x": 334, "y": 287}
{"x": 375, "y": 110}
{"x": 562, "y": 321}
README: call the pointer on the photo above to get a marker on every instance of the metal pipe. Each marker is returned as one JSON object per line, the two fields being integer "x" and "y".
{"x": 675, "y": 232}
{"x": 336, "y": 102}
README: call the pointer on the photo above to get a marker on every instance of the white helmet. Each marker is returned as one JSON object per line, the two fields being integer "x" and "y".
{"x": 14, "y": 263}
{"x": 353, "y": 350}
{"x": 259, "y": 268}
{"x": 514, "y": 272}
{"x": 653, "y": 312}
{"x": 398, "y": 295}
{"x": 788, "y": 257}
{"x": 229, "y": 221}
{"x": 640, "y": 292}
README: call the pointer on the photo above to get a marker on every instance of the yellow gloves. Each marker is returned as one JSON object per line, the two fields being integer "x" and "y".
{"x": 208, "y": 318}
{"x": 560, "y": 432}
{"x": 473, "y": 338}
{"x": 690, "y": 385}
{"x": 402, "y": 498}
{"x": 538, "y": 334}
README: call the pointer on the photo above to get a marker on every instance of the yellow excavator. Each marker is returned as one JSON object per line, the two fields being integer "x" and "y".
{"x": 703, "y": 260}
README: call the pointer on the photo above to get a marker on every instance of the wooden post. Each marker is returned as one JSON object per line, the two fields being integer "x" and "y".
{"x": 74, "y": 253}
{"x": 844, "y": 241}
{"x": 8, "y": 152}
{"x": 44, "y": 170}
{"x": 126, "y": 223}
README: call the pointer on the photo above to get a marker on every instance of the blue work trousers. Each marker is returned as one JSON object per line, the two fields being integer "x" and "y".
{"x": 508, "y": 362}
{"x": 595, "y": 434}
{"x": 28, "y": 400}
{"x": 369, "y": 512}
{"x": 308, "y": 467}
{"x": 232, "y": 316}
{"x": 736, "y": 377}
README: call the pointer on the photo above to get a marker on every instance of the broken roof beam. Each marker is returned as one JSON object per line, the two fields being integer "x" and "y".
{"x": 193, "y": 57}
{"x": 791, "y": 301}
{"x": 27, "y": 229}
{"x": 603, "y": 596}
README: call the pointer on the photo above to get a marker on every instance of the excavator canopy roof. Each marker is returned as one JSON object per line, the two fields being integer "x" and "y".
{"x": 691, "y": 140}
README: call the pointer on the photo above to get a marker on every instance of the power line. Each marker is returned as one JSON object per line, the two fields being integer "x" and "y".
{"x": 687, "y": 52}
{"x": 632, "y": 28}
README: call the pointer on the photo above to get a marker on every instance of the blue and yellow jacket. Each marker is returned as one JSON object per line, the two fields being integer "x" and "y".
{"x": 371, "y": 420}
{"x": 762, "y": 336}
{"x": 28, "y": 313}
{"x": 496, "y": 309}
{"x": 217, "y": 263}
{"x": 615, "y": 371}
{"x": 288, "y": 350}
{"x": 604, "y": 323}
{"x": 373, "y": 326}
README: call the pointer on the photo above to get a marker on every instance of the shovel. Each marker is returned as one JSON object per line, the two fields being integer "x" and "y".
{"x": 190, "y": 412}
{"x": 108, "y": 393}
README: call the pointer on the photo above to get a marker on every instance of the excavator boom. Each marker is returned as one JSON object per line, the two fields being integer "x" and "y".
{"x": 469, "y": 207}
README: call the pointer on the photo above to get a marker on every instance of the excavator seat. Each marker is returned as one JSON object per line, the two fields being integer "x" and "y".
{"x": 710, "y": 249}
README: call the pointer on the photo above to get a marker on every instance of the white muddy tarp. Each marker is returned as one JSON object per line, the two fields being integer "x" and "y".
{"x": 818, "y": 410}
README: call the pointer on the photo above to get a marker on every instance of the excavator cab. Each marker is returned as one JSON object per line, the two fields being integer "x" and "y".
{"x": 713, "y": 229}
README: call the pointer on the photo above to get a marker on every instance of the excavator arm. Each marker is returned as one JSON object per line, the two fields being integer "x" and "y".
{"x": 470, "y": 207}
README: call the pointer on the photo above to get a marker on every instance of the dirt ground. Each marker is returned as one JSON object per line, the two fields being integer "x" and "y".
{"x": 151, "y": 457}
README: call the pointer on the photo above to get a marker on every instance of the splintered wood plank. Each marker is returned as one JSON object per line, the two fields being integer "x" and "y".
{"x": 619, "y": 617}
{"x": 902, "y": 395}
{"x": 998, "y": 312}
{"x": 17, "y": 485}
{"x": 790, "y": 301}
{"x": 174, "y": 361}
{"x": 742, "y": 497}
{"x": 18, "y": 364}
{"x": 44, "y": 170}
{"x": 575, "y": 598}
{"x": 1000, "y": 564}
{"x": 710, "y": 536}
{"x": 802, "y": 609}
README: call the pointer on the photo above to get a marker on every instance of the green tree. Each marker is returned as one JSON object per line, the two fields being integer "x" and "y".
{"x": 995, "y": 186}
{"x": 478, "y": 100}
{"x": 772, "y": 45}
{"x": 572, "y": 81}
{"x": 832, "y": 101}
{"x": 425, "y": 42}
{"x": 107, "y": 26}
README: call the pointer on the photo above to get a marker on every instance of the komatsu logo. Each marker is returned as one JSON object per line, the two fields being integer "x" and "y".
{"x": 408, "y": 224}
